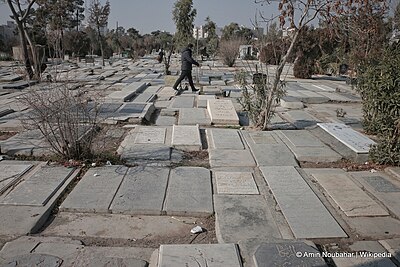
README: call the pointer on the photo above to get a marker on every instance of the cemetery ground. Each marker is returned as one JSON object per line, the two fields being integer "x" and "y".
{"x": 302, "y": 194}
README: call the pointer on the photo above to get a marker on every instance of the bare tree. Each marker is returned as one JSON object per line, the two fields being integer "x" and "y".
{"x": 229, "y": 50}
{"x": 298, "y": 14}
{"x": 98, "y": 17}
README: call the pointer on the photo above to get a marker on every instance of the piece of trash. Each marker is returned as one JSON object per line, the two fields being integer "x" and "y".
{"x": 108, "y": 163}
{"x": 366, "y": 163}
{"x": 96, "y": 174}
{"x": 93, "y": 164}
{"x": 373, "y": 171}
{"x": 196, "y": 230}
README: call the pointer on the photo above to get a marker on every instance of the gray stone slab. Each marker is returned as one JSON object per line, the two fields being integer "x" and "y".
{"x": 96, "y": 190}
{"x": 392, "y": 246}
{"x": 38, "y": 189}
{"x": 142, "y": 191}
{"x": 222, "y": 112}
{"x": 313, "y": 97}
{"x": 336, "y": 97}
{"x": 210, "y": 255}
{"x": 299, "y": 118}
{"x": 150, "y": 135}
{"x": 11, "y": 173}
{"x": 37, "y": 260}
{"x": 132, "y": 108}
{"x": 289, "y": 253}
{"x": 291, "y": 102}
{"x": 185, "y": 137}
{"x": 350, "y": 198}
{"x": 372, "y": 261}
{"x": 304, "y": 212}
{"x": 394, "y": 171}
{"x": 307, "y": 147}
{"x": 211, "y": 90}
{"x": 356, "y": 141}
{"x": 268, "y": 138}
{"x": 224, "y": 139}
{"x": 193, "y": 116}
{"x": 243, "y": 217}
{"x": 144, "y": 97}
{"x": 380, "y": 184}
{"x": 165, "y": 120}
{"x": 146, "y": 152}
{"x": 202, "y": 100}
{"x": 367, "y": 246}
{"x": 230, "y": 158}
{"x": 182, "y": 102}
{"x": 241, "y": 183}
{"x": 273, "y": 155}
{"x": 189, "y": 192}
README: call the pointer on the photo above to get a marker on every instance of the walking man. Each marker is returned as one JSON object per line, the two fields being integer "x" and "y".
{"x": 186, "y": 68}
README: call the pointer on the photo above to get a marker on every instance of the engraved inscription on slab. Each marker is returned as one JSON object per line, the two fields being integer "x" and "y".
{"x": 236, "y": 183}
{"x": 380, "y": 184}
{"x": 150, "y": 135}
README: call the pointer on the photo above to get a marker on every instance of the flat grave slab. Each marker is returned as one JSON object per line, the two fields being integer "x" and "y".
{"x": 38, "y": 189}
{"x": 288, "y": 253}
{"x": 304, "y": 212}
{"x": 189, "y": 192}
{"x": 95, "y": 190}
{"x": 150, "y": 135}
{"x": 211, "y": 90}
{"x": 268, "y": 138}
{"x": 241, "y": 183}
{"x": 144, "y": 97}
{"x": 392, "y": 246}
{"x": 307, "y": 147}
{"x": 193, "y": 116}
{"x": 278, "y": 155}
{"x": 356, "y": 141}
{"x": 242, "y": 217}
{"x": 222, "y": 112}
{"x": 230, "y": 158}
{"x": 182, "y": 102}
{"x": 157, "y": 152}
{"x": 380, "y": 184}
{"x": 185, "y": 137}
{"x": 132, "y": 108}
{"x": 37, "y": 260}
{"x": 202, "y": 100}
{"x": 224, "y": 139}
{"x": 350, "y": 198}
{"x": 365, "y": 262}
{"x": 313, "y": 97}
{"x": 142, "y": 191}
{"x": 291, "y": 102}
{"x": 300, "y": 118}
{"x": 212, "y": 255}
{"x": 10, "y": 173}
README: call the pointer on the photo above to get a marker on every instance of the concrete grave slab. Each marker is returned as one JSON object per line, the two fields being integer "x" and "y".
{"x": 300, "y": 118}
{"x": 278, "y": 155}
{"x": 96, "y": 190}
{"x": 393, "y": 171}
{"x": 144, "y": 97}
{"x": 382, "y": 187}
{"x": 211, "y": 90}
{"x": 230, "y": 158}
{"x": 142, "y": 191}
{"x": 288, "y": 253}
{"x": 291, "y": 102}
{"x": 182, "y": 102}
{"x": 212, "y": 255}
{"x": 350, "y": 198}
{"x": 189, "y": 192}
{"x": 356, "y": 141}
{"x": 148, "y": 152}
{"x": 224, "y": 139}
{"x": 193, "y": 116}
{"x": 243, "y": 217}
{"x": 150, "y": 135}
{"x": 37, "y": 260}
{"x": 307, "y": 147}
{"x": 313, "y": 97}
{"x": 304, "y": 212}
{"x": 268, "y": 138}
{"x": 39, "y": 188}
{"x": 363, "y": 261}
{"x": 241, "y": 183}
{"x": 202, "y": 100}
{"x": 392, "y": 246}
{"x": 222, "y": 112}
{"x": 10, "y": 173}
{"x": 186, "y": 137}
{"x": 165, "y": 120}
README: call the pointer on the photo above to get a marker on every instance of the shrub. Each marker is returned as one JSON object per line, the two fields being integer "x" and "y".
{"x": 229, "y": 51}
{"x": 303, "y": 67}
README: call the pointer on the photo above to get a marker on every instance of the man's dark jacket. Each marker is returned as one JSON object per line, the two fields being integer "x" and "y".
{"x": 187, "y": 59}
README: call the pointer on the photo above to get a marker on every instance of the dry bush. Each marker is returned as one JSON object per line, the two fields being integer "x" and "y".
{"x": 229, "y": 50}
{"x": 66, "y": 119}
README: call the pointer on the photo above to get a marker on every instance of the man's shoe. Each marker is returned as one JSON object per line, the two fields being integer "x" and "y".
{"x": 195, "y": 90}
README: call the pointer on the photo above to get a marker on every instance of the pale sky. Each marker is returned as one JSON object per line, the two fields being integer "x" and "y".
{"x": 151, "y": 15}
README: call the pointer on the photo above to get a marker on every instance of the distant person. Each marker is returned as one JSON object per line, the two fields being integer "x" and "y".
{"x": 186, "y": 68}
{"x": 160, "y": 56}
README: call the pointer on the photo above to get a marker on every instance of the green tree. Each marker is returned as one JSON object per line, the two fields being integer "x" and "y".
{"x": 212, "y": 39}
{"x": 98, "y": 18}
{"x": 184, "y": 15}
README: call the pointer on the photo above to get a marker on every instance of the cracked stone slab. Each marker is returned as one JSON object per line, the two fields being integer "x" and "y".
{"x": 241, "y": 183}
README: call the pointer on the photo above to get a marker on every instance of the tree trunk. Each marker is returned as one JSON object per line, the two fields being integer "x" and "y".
{"x": 24, "y": 47}
{"x": 36, "y": 65}
{"x": 268, "y": 107}
{"x": 101, "y": 47}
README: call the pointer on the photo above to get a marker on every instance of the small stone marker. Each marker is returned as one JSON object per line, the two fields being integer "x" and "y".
{"x": 290, "y": 253}
{"x": 150, "y": 135}
{"x": 186, "y": 137}
{"x": 210, "y": 255}
{"x": 346, "y": 194}
{"x": 222, "y": 112}
{"x": 241, "y": 183}
{"x": 380, "y": 184}
{"x": 356, "y": 141}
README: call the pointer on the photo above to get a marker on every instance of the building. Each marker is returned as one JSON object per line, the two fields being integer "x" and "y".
{"x": 9, "y": 30}
{"x": 199, "y": 32}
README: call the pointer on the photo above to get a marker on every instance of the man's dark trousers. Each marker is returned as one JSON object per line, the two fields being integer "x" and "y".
{"x": 188, "y": 74}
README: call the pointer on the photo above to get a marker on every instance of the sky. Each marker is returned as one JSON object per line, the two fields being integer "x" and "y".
{"x": 151, "y": 15}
